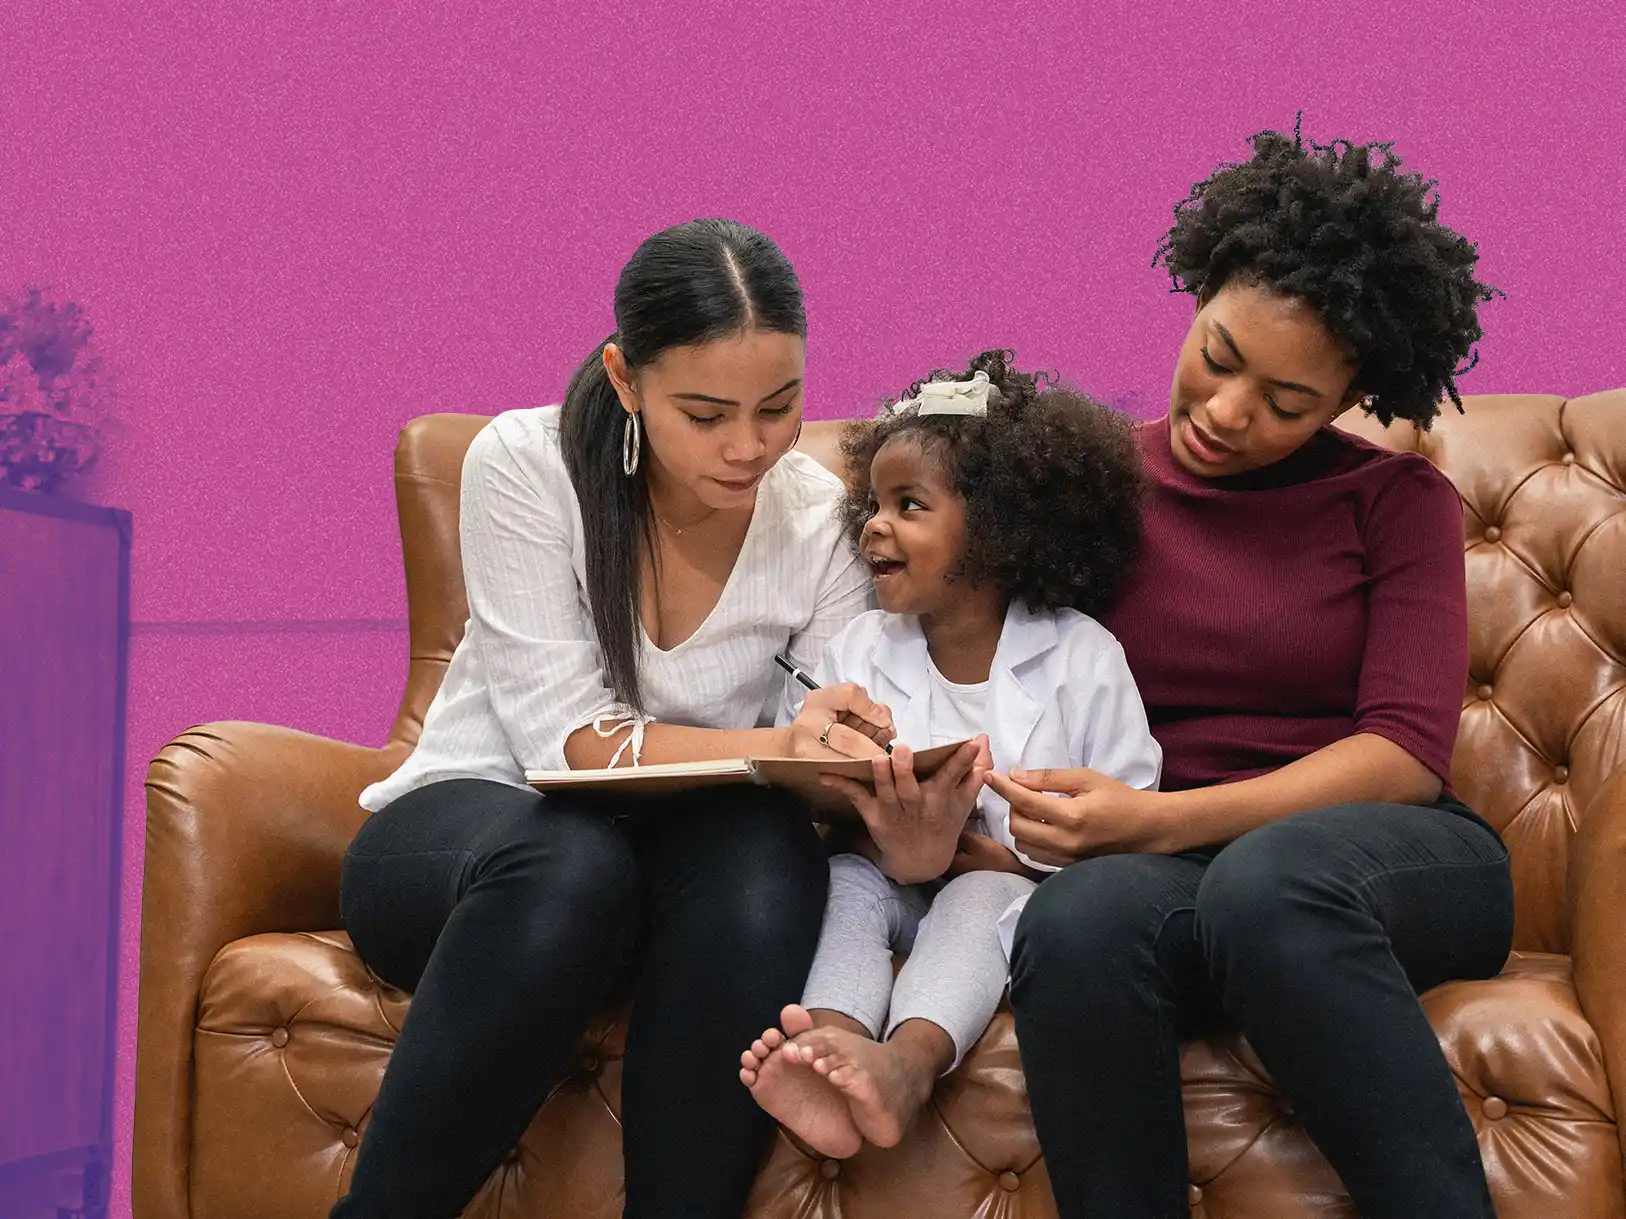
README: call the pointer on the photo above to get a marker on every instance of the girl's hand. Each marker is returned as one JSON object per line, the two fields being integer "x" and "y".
{"x": 980, "y": 853}
{"x": 1095, "y": 815}
{"x": 916, "y": 824}
{"x": 839, "y": 722}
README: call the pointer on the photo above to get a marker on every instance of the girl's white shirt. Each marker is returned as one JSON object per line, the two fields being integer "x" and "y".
{"x": 1059, "y": 695}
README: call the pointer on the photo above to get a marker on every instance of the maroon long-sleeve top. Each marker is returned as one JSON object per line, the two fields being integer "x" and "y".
{"x": 1273, "y": 613}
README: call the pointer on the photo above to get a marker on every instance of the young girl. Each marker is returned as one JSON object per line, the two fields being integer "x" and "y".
{"x": 987, "y": 508}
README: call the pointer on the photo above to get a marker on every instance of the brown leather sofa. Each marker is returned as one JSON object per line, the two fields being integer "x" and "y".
{"x": 263, "y": 1037}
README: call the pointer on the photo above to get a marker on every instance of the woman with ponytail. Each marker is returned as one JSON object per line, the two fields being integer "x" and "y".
{"x": 634, "y": 559}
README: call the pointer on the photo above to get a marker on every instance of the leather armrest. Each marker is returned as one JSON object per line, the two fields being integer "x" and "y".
{"x": 247, "y": 825}
{"x": 1597, "y": 910}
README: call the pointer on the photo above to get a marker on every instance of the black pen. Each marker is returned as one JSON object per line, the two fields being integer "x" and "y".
{"x": 805, "y": 680}
{"x": 795, "y": 672}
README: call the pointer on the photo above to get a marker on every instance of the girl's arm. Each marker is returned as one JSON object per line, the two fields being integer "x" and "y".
{"x": 1107, "y": 732}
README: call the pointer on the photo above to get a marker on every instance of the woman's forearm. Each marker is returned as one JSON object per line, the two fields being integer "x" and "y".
{"x": 585, "y": 749}
{"x": 1356, "y": 769}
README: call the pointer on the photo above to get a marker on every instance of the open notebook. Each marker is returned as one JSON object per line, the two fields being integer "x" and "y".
{"x": 800, "y": 775}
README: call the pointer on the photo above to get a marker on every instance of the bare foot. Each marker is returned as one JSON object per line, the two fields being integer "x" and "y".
{"x": 801, "y": 1100}
{"x": 884, "y": 1084}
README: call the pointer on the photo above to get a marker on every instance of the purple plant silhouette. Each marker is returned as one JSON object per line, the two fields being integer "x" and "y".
{"x": 53, "y": 398}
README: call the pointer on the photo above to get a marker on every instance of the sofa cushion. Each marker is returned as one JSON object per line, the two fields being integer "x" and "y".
{"x": 293, "y": 1034}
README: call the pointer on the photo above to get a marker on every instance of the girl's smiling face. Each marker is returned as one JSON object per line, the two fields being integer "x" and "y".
{"x": 915, "y": 536}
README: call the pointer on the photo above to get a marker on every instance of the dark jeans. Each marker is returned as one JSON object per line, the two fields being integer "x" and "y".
{"x": 1314, "y": 936}
{"x": 511, "y": 918}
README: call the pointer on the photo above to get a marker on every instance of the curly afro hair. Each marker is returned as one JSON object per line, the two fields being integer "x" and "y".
{"x": 1051, "y": 480}
{"x": 1339, "y": 227}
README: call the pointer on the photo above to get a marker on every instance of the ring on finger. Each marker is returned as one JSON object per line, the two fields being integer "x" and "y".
{"x": 824, "y": 737}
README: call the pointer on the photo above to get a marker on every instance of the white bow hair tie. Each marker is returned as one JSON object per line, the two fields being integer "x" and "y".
{"x": 953, "y": 397}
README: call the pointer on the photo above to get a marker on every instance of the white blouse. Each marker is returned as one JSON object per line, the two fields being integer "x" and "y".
{"x": 528, "y": 671}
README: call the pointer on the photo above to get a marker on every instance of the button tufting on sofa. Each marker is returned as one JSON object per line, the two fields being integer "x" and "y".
{"x": 1494, "y": 1108}
{"x": 829, "y": 1169}
{"x": 1009, "y": 1182}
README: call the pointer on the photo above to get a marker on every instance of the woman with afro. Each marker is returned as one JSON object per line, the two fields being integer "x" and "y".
{"x": 1297, "y": 625}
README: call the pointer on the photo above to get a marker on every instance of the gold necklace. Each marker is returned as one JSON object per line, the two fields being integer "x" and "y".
{"x": 680, "y": 532}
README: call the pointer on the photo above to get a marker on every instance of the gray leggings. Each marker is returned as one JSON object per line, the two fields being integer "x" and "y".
{"x": 956, "y": 971}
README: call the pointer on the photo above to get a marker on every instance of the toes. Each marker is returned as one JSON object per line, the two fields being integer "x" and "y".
{"x": 795, "y": 1019}
{"x": 773, "y": 1038}
{"x": 748, "y": 1077}
{"x": 816, "y": 1042}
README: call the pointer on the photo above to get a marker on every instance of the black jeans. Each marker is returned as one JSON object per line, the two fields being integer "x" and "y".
{"x": 1312, "y": 935}
{"x": 513, "y": 918}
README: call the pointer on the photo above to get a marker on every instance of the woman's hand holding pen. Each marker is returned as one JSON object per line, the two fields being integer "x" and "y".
{"x": 915, "y": 825}
{"x": 839, "y": 722}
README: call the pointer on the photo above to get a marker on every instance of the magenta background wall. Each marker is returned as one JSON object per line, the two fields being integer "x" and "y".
{"x": 297, "y": 225}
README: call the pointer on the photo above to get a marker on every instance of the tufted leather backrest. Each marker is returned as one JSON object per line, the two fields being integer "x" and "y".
{"x": 1543, "y": 484}
{"x": 1543, "y": 487}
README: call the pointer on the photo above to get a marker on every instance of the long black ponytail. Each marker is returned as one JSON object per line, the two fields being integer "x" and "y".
{"x": 686, "y": 285}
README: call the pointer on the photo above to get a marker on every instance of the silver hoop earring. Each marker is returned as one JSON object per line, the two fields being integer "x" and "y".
{"x": 632, "y": 444}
